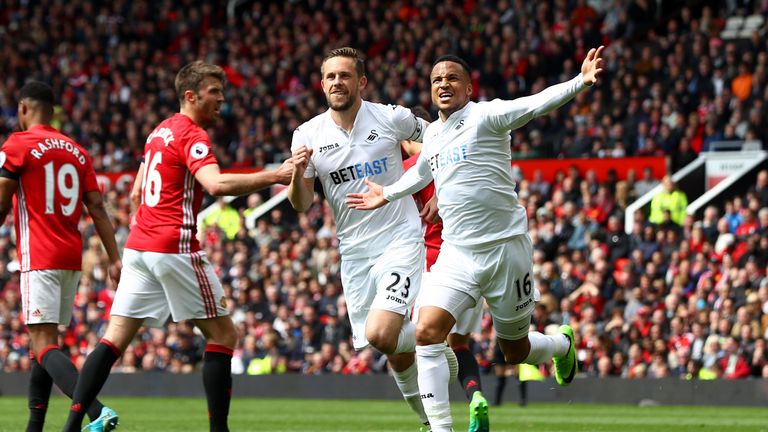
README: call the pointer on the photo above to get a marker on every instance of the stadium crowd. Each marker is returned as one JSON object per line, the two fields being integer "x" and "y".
{"x": 683, "y": 297}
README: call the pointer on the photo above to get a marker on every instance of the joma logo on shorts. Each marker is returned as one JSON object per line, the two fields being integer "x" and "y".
{"x": 427, "y": 396}
{"x": 523, "y": 305}
{"x": 395, "y": 299}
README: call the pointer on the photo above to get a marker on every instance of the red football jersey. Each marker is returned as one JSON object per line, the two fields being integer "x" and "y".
{"x": 166, "y": 220}
{"x": 54, "y": 173}
{"x": 433, "y": 235}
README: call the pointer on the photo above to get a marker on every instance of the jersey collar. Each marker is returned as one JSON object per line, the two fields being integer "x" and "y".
{"x": 360, "y": 113}
{"x": 40, "y": 127}
{"x": 453, "y": 118}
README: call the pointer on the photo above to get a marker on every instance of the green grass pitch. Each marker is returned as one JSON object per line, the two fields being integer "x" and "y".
{"x": 188, "y": 414}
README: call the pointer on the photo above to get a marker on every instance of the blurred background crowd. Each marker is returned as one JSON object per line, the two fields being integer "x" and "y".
{"x": 680, "y": 296}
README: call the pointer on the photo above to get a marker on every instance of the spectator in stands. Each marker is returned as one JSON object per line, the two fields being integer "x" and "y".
{"x": 761, "y": 187}
{"x": 733, "y": 364}
{"x": 225, "y": 217}
{"x": 684, "y": 155}
{"x": 645, "y": 184}
{"x": 741, "y": 85}
{"x": 669, "y": 199}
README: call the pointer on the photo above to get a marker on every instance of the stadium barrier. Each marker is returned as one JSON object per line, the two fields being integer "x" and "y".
{"x": 668, "y": 391}
{"x": 601, "y": 166}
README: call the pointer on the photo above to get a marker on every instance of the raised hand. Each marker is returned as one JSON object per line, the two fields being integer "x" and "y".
{"x": 301, "y": 157}
{"x": 592, "y": 66}
{"x": 370, "y": 200}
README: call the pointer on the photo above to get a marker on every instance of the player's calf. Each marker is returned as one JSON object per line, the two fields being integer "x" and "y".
{"x": 515, "y": 352}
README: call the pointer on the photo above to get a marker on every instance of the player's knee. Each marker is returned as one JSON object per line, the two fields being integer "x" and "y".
{"x": 428, "y": 335}
{"x": 227, "y": 337}
{"x": 381, "y": 340}
{"x": 220, "y": 331}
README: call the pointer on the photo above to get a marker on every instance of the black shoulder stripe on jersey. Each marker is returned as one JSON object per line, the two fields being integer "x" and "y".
{"x": 417, "y": 131}
{"x": 8, "y": 174}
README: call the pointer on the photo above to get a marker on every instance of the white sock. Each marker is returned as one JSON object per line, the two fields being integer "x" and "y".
{"x": 433, "y": 384}
{"x": 406, "y": 341}
{"x": 545, "y": 347}
{"x": 408, "y": 383}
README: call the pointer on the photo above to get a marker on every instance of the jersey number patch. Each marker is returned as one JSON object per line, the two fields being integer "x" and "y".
{"x": 405, "y": 290}
{"x": 527, "y": 287}
{"x": 67, "y": 182}
{"x": 152, "y": 183}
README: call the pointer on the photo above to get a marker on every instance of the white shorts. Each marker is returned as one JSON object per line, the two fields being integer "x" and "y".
{"x": 470, "y": 321}
{"x": 390, "y": 281}
{"x": 501, "y": 273}
{"x": 48, "y": 296}
{"x": 154, "y": 285}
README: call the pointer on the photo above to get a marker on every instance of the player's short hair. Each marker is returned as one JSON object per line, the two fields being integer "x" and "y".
{"x": 37, "y": 91}
{"x": 454, "y": 59}
{"x": 349, "y": 53}
{"x": 421, "y": 112}
{"x": 191, "y": 76}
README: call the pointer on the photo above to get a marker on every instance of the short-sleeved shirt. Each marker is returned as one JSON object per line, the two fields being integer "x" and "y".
{"x": 343, "y": 160}
{"x": 54, "y": 173}
{"x": 166, "y": 220}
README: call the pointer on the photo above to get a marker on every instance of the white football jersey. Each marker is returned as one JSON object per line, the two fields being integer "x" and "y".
{"x": 343, "y": 160}
{"x": 469, "y": 158}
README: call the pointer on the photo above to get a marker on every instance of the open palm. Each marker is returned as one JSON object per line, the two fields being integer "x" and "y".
{"x": 592, "y": 66}
{"x": 370, "y": 200}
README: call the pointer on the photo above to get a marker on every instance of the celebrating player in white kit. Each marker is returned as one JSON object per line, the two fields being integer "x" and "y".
{"x": 471, "y": 320}
{"x": 382, "y": 251}
{"x": 486, "y": 251}
{"x": 166, "y": 272}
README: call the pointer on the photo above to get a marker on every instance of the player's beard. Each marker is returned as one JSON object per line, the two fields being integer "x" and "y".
{"x": 341, "y": 105}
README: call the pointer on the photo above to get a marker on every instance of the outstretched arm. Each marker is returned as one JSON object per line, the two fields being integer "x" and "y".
{"x": 510, "y": 115}
{"x": 412, "y": 181}
{"x": 218, "y": 184}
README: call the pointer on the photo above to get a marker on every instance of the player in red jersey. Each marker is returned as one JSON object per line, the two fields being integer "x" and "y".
{"x": 469, "y": 321}
{"x": 165, "y": 270}
{"x": 46, "y": 177}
